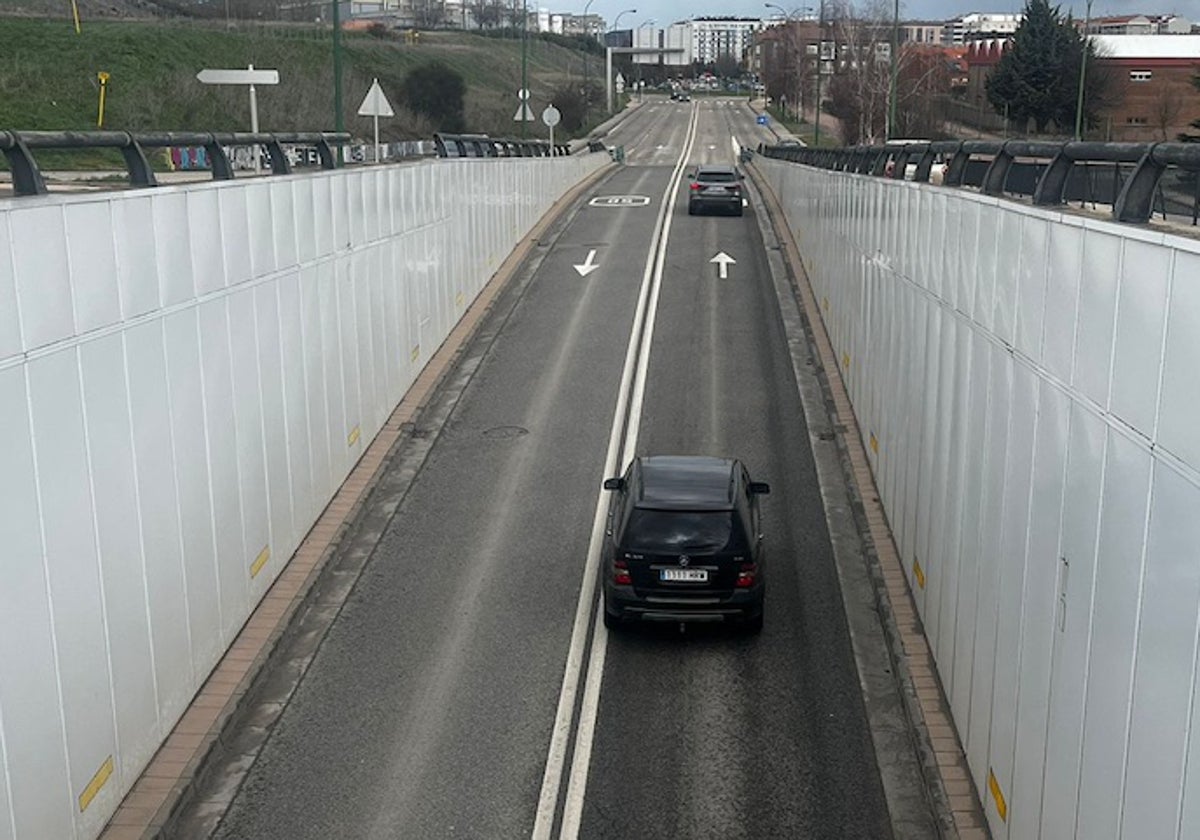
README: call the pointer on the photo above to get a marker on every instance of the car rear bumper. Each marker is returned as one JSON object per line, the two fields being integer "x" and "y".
{"x": 731, "y": 203}
{"x": 622, "y": 602}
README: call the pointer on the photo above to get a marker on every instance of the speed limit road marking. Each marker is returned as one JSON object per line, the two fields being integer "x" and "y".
{"x": 619, "y": 201}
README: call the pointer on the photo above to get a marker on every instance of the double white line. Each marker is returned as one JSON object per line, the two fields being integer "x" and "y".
{"x": 591, "y": 648}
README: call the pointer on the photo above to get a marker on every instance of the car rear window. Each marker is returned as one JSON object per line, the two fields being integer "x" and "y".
{"x": 678, "y": 531}
{"x": 719, "y": 177}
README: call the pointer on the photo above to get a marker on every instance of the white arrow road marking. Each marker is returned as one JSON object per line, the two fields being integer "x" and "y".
{"x": 588, "y": 265}
{"x": 724, "y": 261}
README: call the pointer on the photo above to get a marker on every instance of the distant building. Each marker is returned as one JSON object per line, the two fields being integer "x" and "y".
{"x": 1139, "y": 25}
{"x": 979, "y": 26}
{"x": 1153, "y": 95}
{"x": 716, "y": 37}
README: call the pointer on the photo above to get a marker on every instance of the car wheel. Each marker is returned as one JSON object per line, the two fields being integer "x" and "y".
{"x": 739, "y": 211}
{"x": 691, "y": 209}
{"x": 612, "y": 622}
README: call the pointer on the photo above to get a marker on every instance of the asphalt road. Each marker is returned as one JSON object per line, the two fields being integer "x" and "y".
{"x": 430, "y": 707}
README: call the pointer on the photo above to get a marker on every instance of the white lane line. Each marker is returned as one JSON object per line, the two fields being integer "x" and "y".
{"x": 618, "y": 445}
{"x": 589, "y": 711}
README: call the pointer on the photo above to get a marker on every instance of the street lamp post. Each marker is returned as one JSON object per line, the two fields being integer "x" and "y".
{"x": 641, "y": 26}
{"x": 1087, "y": 20}
{"x": 587, "y": 93}
{"x": 608, "y": 68}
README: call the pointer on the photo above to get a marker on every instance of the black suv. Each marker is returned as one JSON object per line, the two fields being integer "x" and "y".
{"x": 684, "y": 542}
{"x": 715, "y": 188}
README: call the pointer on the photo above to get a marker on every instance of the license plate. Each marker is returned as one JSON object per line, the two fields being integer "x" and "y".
{"x": 685, "y": 575}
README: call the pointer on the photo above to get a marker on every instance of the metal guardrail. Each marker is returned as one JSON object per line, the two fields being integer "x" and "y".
{"x": 480, "y": 145}
{"x": 1129, "y": 176}
{"x": 18, "y": 147}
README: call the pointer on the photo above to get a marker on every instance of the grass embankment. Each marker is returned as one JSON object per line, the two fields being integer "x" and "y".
{"x": 48, "y": 76}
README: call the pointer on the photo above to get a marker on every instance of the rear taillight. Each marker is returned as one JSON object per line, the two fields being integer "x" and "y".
{"x": 747, "y": 573}
{"x": 695, "y": 186}
{"x": 621, "y": 573}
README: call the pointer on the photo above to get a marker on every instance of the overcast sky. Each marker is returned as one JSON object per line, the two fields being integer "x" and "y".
{"x": 664, "y": 12}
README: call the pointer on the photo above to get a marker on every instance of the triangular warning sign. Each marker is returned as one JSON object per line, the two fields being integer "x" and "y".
{"x": 375, "y": 104}
{"x": 524, "y": 114}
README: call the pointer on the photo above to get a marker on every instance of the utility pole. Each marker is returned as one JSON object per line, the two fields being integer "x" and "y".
{"x": 820, "y": 50}
{"x": 524, "y": 62}
{"x": 339, "y": 120}
{"x": 1087, "y": 20}
{"x": 891, "y": 122}
{"x": 587, "y": 91}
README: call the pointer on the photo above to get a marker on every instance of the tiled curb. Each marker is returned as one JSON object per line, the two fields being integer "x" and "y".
{"x": 921, "y": 686}
{"x": 166, "y": 782}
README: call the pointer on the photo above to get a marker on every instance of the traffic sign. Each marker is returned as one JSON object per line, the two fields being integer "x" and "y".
{"x": 524, "y": 113}
{"x": 238, "y": 77}
{"x": 761, "y": 119}
{"x": 375, "y": 104}
{"x": 551, "y": 116}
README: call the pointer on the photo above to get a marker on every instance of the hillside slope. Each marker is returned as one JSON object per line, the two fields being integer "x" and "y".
{"x": 48, "y": 76}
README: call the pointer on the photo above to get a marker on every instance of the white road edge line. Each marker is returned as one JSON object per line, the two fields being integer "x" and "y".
{"x": 620, "y": 444}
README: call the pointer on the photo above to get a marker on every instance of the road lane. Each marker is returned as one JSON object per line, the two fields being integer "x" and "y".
{"x": 428, "y": 709}
{"x": 705, "y": 733}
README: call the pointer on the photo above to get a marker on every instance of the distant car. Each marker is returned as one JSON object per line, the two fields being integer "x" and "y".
{"x": 790, "y": 143}
{"x": 684, "y": 543}
{"x": 684, "y": 96}
{"x": 715, "y": 187}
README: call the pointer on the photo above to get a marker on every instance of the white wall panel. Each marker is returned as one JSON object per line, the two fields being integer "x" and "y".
{"x": 193, "y": 480}
{"x": 137, "y": 264}
{"x": 261, "y": 228}
{"x": 1114, "y": 616}
{"x": 118, "y": 538}
{"x": 43, "y": 280}
{"x": 251, "y": 463}
{"x": 1064, "y": 271}
{"x": 1097, "y": 314}
{"x": 145, "y": 361}
{"x": 1180, "y": 400}
{"x": 1073, "y": 620}
{"x": 93, "y": 262}
{"x": 1038, "y": 600}
{"x": 174, "y": 267}
{"x": 35, "y": 746}
{"x": 271, "y": 379}
{"x": 204, "y": 240}
{"x": 177, "y": 447}
{"x": 1165, "y": 660}
{"x": 72, "y": 571}
{"x": 1141, "y": 320}
{"x": 1031, "y": 286}
{"x": 220, "y": 423}
{"x": 235, "y": 235}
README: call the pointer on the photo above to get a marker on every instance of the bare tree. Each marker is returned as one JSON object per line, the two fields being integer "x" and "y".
{"x": 1168, "y": 105}
{"x": 860, "y": 80}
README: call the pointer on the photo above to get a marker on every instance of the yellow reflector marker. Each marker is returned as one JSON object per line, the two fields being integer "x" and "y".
{"x": 998, "y": 796}
{"x": 260, "y": 561}
{"x": 845, "y": 360}
{"x": 920, "y": 575}
{"x": 458, "y": 299}
{"x": 416, "y": 351}
{"x": 874, "y": 444}
{"x": 353, "y": 437}
{"x": 825, "y": 303}
{"x": 97, "y": 782}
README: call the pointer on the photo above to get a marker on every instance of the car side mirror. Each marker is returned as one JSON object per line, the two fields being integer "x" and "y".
{"x": 760, "y": 487}
{"x": 614, "y": 484}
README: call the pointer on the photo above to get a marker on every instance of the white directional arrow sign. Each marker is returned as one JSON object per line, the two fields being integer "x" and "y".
{"x": 589, "y": 264}
{"x": 723, "y": 262}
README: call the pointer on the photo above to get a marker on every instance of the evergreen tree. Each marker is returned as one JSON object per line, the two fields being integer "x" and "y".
{"x": 437, "y": 91}
{"x": 1038, "y": 76}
